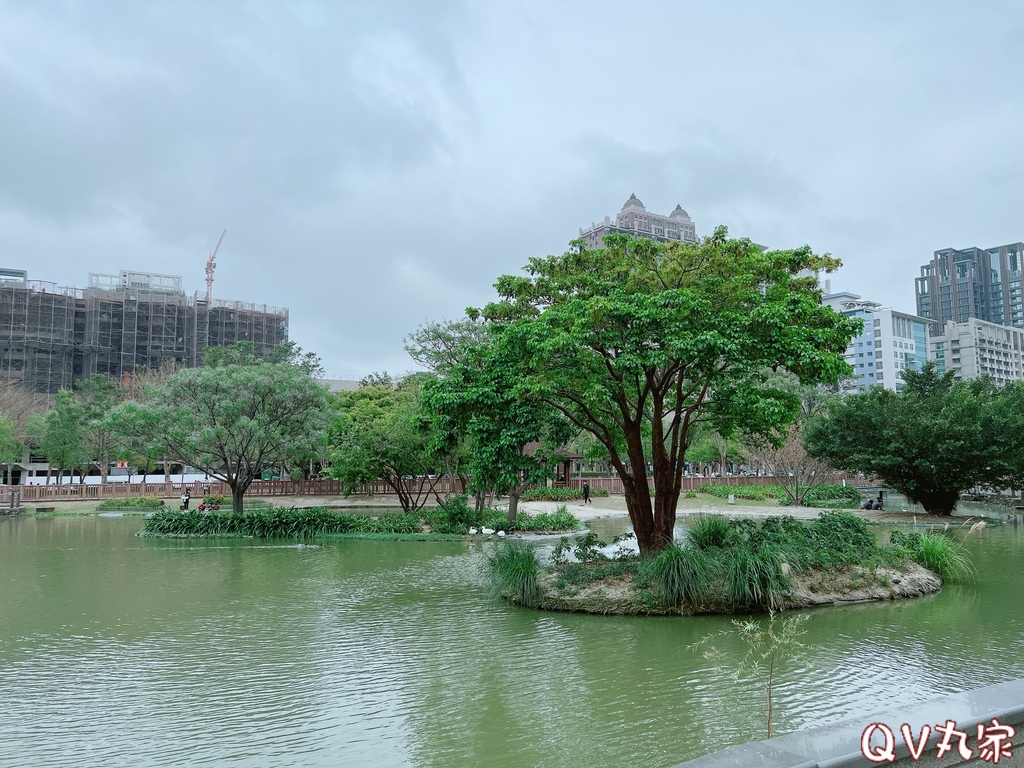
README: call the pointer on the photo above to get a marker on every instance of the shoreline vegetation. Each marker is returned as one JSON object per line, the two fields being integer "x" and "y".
{"x": 456, "y": 519}
{"x": 730, "y": 566}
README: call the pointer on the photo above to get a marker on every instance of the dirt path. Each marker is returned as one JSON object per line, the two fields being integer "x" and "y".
{"x": 600, "y": 507}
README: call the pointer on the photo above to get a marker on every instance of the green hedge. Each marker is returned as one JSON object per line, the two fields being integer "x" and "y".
{"x": 750, "y": 492}
{"x": 820, "y": 496}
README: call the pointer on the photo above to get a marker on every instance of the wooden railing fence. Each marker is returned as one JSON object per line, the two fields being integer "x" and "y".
{"x": 443, "y": 486}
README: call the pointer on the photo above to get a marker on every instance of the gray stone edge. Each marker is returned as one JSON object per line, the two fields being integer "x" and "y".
{"x": 838, "y": 745}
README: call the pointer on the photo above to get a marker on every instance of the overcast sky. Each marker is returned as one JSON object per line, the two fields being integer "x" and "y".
{"x": 379, "y": 164}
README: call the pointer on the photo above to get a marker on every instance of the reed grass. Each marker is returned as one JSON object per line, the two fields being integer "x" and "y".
{"x": 514, "y": 570}
{"x": 755, "y": 577}
{"x": 938, "y": 552}
{"x": 680, "y": 573}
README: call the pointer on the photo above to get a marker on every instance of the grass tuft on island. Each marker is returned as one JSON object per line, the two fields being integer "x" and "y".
{"x": 442, "y": 523}
{"x": 731, "y": 566}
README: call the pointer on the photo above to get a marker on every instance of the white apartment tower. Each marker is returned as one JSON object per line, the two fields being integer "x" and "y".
{"x": 977, "y": 348}
{"x": 889, "y": 343}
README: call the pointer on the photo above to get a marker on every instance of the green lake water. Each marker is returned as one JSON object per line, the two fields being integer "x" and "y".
{"x": 121, "y": 651}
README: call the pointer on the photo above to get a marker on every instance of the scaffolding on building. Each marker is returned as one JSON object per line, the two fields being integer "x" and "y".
{"x": 53, "y": 337}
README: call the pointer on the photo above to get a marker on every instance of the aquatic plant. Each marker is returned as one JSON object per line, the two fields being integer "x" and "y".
{"x": 514, "y": 568}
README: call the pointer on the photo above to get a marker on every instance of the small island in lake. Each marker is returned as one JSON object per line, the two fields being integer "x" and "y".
{"x": 730, "y": 566}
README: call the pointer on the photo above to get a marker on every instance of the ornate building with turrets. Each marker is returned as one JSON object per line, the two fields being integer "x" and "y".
{"x": 634, "y": 219}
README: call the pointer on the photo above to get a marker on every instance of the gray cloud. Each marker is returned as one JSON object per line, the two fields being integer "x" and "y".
{"x": 378, "y": 165}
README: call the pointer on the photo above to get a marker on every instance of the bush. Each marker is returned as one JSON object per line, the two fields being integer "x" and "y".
{"x": 936, "y": 552}
{"x": 679, "y": 573}
{"x": 546, "y": 522}
{"x": 711, "y": 531}
{"x": 455, "y": 516}
{"x": 131, "y": 502}
{"x": 214, "y": 499}
{"x": 842, "y": 538}
{"x": 585, "y": 549}
{"x": 514, "y": 568}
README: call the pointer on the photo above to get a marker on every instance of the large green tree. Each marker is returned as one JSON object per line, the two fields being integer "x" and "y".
{"x": 11, "y": 446}
{"x": 99, "y": 395}
{"x": 512, "y": 434}
{"x": 232, "y": 420}
{"x": 374, "y": 434}
{"x": 931, "y": 442}
{"x": 60, "y": 433}
{"x": 641, "y": 339}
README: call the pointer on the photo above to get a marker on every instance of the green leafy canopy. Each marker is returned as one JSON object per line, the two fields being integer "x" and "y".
{"x": 639, "y": 342}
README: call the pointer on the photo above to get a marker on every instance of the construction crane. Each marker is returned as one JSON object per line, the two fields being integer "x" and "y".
{"x": 211, "y": 264}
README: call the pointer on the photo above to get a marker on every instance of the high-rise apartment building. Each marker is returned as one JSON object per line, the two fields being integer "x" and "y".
{"x": 983, "y": 283}
{"x": 634, "y": 219}
{"x": 976, "y": 348}
{"x": 52, "y": 337}
{"x": 889, "y": 343}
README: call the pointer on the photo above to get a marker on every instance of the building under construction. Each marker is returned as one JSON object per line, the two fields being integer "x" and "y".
{"x": 53, "y": 337}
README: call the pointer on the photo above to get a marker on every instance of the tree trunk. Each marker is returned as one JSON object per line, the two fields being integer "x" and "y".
{"x": 513, "y": 503}
{"x": 167, "y": 470}
{"x": 238, "y": 490}
{"x": 104, "y": 471}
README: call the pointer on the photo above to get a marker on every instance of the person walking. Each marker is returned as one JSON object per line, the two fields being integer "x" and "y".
{"x": 586, "y": 492}
{"x": 185, "y": 496}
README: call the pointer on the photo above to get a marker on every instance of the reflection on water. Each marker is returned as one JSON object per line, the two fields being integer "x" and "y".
{"x": 116, "y": 650}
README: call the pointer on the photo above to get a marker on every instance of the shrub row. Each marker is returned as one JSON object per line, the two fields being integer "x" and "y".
{"x": 750, "y": 492}
{"x": 275, "y": 523}
{"x": 456, "y": 518}
{"x": 559, "y": 494}
{"x": 826, "y": 495}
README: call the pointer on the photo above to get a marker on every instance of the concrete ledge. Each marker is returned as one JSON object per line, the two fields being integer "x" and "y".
{"x": 839, "y": 745}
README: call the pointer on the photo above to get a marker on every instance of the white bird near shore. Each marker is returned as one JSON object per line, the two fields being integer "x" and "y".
{"x": 487, "y": 531}
{"x": 472, "y": 531}
{"x": 501, "y": 534}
